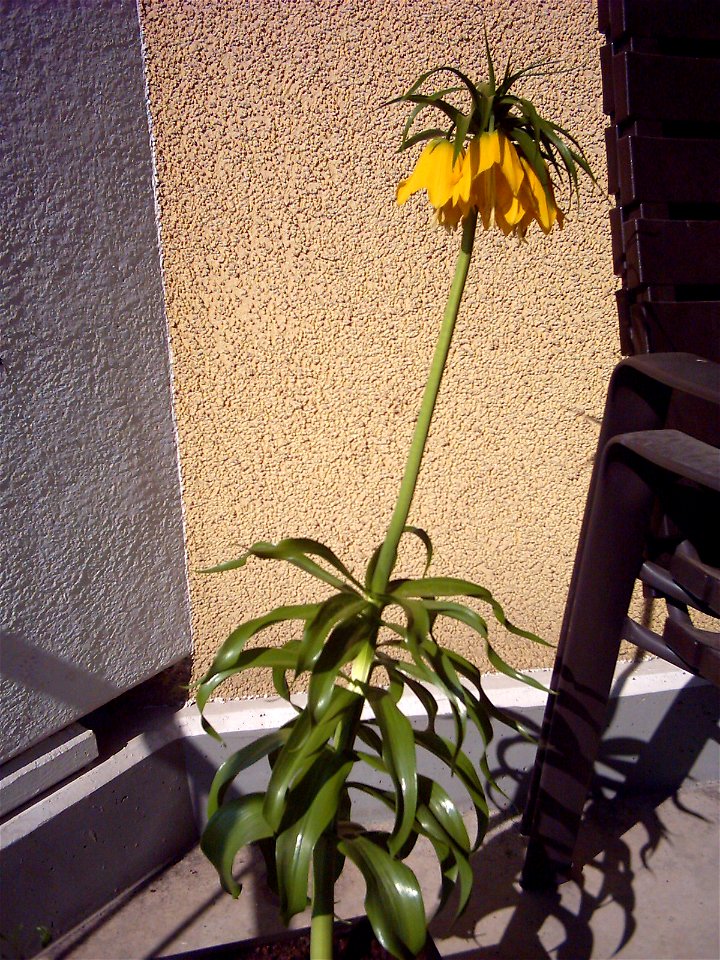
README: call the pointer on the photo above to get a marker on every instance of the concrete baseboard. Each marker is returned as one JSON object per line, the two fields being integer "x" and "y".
{"x": 43, "y": 766}
{"x": 141, "y": 806}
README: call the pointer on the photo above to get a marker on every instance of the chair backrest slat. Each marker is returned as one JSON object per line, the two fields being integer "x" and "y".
{"x": 672, "y": 252}
{"x": 660, "y": 170}
{"x": 680, "y": 327}
{"x": 660, "y": 19}
{"x": 661, "y": 88}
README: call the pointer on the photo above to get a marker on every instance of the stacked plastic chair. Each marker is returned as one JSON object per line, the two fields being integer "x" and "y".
{"x": 653, "y": 507}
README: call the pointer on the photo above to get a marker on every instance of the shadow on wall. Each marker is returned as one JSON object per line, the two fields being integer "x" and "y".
{"x": 36, "y": 669}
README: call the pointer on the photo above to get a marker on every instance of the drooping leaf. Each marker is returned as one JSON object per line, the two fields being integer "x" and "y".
{"x": 502, "y": 667}
{"x": 441, "y": 822}
{"x": 228, "y": 653}
{"x": 458, "y": 611}
{"x": 284, "y": 658}
{"x": 462, "y": 767}
{"x": 431, "y": 660}
{"x": 450, "y": 684}
{"x": 424, "y": 695}
{"x": 393, "y": 899}
{"x": 297, "y": 551}
{"x": 418, "y": 532}
{"x": 339, "y": 607}
{"x": 432, "y": 587}
{"x": 399, "y": 757}
{"x": 314, "y": 802}
{"x": 241, "y": 760}
{"x": 342, "y": 646}
{"x": 232, "y": 827}
{"x": 307, "y": 739}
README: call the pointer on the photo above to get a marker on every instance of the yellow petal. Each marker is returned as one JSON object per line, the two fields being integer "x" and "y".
{"x": 463, "y": 187}
{"x": 488, "y": 150}
{"x": 444, "y": 174}
{"x": 507, "y": 204}
{"x": 450, "y": 215}
{"x": 434, "y": 172}
{"x": 510, "y": 164}
{"x": 534, "y": 197}
{"x": 419, "y": 177}
{"x": 483, "y": 196}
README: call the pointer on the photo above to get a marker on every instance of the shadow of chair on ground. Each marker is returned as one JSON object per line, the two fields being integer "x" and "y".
{"x": 632, "y": 780}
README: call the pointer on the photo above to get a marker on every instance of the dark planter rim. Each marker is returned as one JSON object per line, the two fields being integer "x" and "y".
{"x": 359, "y": 926}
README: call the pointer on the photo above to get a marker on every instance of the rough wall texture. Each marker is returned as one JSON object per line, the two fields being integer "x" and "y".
{"x": 304, "y": 304}
{"x": 93, "y": 589}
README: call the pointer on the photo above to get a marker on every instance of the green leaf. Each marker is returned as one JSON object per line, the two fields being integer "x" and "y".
{"x": 369, "y": 735}
{"x": 431, "y": 133}
{"x": 316, "y": 800}
{"x": 483, "y": 708}
{"x": 431, "y": 587}
{"x": 472, "y": 89}
{"x": 424, "y": 537}
{"x": 232, "y": 827}
{"x": 461, "y": 130}
{"x": 424, "y": 100}
{"x": 454, "y": 690}
{"x": 398, "y": 754}
{"x": 418, "y": 532}
{"x": 282, "y": 688}
{"x": 297, "y": 551}
{"x": 438, "y": 95}
{"x": 439, "y": 587}
{"x": 393, "y": 899}
{"x": 491, "y": 68}
{"x": 307, "y": 739}
{"x": 405, "y": 671}
{"x": 445, "y": 812}
{"x": 423, "y": 648}
{"x": 458, "y": 611}
{"x": 531, "y": 152}
{"x": 462, "y": 767}
{"x": 284, "y": 658}
{"x": 241, "y": 760}
{"x": 502, "y": 667}
{"x": 341, "y": 607}
{"x": 343, "y": 645}
{"x": 441, "y": 822}
{"x": 228, "y": 653}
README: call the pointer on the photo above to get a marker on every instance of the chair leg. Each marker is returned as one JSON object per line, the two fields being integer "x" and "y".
{"x": 606, "y": 568}
{"x": 634, "y": 402}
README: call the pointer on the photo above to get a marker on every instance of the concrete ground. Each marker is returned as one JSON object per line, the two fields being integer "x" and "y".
{"x": 649, "y": 890}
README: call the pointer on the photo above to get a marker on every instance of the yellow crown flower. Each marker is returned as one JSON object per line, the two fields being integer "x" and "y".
{"x": 494, "y": 159}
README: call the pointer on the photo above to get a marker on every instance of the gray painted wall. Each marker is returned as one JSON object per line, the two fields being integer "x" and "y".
{"x": 93, "y": 587}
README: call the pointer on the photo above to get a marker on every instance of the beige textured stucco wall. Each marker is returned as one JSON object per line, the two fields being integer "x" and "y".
{"x": 304, "y": 305}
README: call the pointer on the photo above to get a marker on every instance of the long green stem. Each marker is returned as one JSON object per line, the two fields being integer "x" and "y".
{"x": 323, "y": 884}
{"x": 398, "y": 521}
{"x": 323, "y": 904}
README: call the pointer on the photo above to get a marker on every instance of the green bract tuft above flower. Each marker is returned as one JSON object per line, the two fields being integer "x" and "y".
{"x": 495, "y": 158}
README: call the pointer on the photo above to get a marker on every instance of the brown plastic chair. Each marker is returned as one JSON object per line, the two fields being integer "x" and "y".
{"x": 636, "y": 469}
{"x": 653, "y": 508}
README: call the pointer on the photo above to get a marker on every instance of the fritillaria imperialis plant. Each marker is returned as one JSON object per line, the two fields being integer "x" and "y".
{"x": 369, "y": 639}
